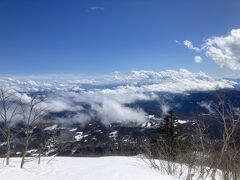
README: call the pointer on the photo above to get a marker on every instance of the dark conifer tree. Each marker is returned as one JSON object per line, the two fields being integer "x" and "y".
{"x": 171, "y": 135}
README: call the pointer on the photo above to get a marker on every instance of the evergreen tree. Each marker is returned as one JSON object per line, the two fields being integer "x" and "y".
{"x": 171, "y": 136}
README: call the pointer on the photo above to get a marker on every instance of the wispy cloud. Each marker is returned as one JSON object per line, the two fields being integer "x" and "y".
{"x": 177, "y": 42}
{"x": 95, "y": 8}
{"x": 189, "y": 45}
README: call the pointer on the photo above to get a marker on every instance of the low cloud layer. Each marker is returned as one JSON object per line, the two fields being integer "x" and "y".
{"x": 109, "y": 98}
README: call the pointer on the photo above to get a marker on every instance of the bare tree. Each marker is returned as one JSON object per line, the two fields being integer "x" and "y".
{"x": 41, "y": 140}
{"x": 229, "y": 117}
{"x": 8, "y": 111}
{"x": 32, "y": 113}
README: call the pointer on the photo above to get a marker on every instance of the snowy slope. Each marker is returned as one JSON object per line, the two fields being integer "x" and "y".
{"x": 69, "y": 168}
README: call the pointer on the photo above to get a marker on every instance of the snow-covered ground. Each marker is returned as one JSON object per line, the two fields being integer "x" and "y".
{"x": 69, "y": 168}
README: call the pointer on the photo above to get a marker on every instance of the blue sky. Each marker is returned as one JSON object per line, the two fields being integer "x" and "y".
{"x": 101, "y": 36}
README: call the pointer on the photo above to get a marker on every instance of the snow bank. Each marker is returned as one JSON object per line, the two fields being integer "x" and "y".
{"x": 69, "y": 168}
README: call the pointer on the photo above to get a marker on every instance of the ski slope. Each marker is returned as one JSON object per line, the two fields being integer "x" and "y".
{"x": 79, "y": 168}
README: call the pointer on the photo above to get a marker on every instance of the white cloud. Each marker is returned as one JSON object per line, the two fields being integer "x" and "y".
{"x": 198, "y": 59}
{"x": 223, "y": 50}
{"x": 111, "y": 111}
{"x": 189, "y": 45}
{"x": 207, "y": 106}
{"x": 59, "y": 104}
{"x": 135, "y": 84}
{"x": 108, "y": 97}
{"x": 165, "y": 108}
{"x": 32, "y": 83}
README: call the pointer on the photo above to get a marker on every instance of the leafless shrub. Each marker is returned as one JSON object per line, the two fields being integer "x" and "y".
{"x": 31, "y": 114}
{"x": 8, "y": 111}
{"x": 205, "y": 158}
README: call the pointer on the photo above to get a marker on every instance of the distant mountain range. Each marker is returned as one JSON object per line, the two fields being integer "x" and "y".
{"x": 114, "y": 114}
